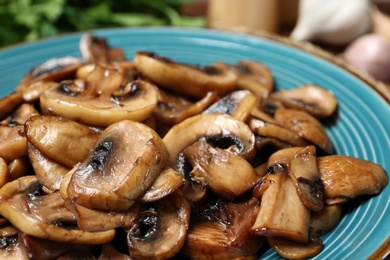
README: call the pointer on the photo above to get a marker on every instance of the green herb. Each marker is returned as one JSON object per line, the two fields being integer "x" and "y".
{"x": 23, "y": 20}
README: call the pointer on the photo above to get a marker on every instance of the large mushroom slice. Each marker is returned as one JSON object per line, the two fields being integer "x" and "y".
{"x": 124, "y": 162}
{"x": 311, "y": 98}
{"x": 161, "y": 229}
{"x": 102, "y": 98}
{"x": 281, "y": 214}
{"x": 60, "y": 140}
{"x": 306, "y": 126}
{"x": 219, "y": 129}
{"x": 225, "y": 174}
{"x": 185, "y": 79}
{"x": 31, "y": 211}
{"x": 55, "y": 69}
{"x": 220, "y": 230}
{"x": 346, "y": 177}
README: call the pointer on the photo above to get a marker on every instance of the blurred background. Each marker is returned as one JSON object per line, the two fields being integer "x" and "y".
{"x": 341, "y": 27}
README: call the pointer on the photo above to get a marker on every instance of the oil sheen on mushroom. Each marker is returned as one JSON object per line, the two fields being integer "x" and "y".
{"x": 122, "y": 165}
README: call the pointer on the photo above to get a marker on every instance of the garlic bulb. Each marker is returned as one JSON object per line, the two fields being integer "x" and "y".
{"x": 335, "y": 22}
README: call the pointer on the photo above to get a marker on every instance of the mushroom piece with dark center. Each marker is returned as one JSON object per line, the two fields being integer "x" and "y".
{"x": 184, "y": 79}
{"x": 101, "y": 99}
{"x": 161, "y": 229}
{"x": 31, "y": 211}
{"x": 124, "y": 162}
{"x": 311, "y": 98}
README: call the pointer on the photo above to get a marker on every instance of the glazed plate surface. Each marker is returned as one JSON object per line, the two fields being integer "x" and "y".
{"x": 362, "y": 127}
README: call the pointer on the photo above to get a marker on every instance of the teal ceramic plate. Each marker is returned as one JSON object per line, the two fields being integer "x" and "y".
{"x": 361, "y": 130}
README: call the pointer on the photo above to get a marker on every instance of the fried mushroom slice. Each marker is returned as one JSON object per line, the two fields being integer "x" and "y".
{"x": 172, "y": 109}
{"x": 101, "y": 99}
{"x": 346, "y": 177}
{"x": 220, "y": 230}
{"x": 13, "y": 143}
{"x": 325, "y": 220}
{"x": 4, "y": 172}
{"x": 237, "y": 104}
{"x": 9, "y": 103}
{"x": 231, "y": 134}
{"x": 34, "y": 213}
{"x": 311, "y": 98}
{"x": 184, "y": 79}
{"x": 306, "y": 126}
{"x": 124, "y": 162}
{"x": 161, "y": 229}
{"x": 60, "y": 140}
{"x": 55, "y": 69}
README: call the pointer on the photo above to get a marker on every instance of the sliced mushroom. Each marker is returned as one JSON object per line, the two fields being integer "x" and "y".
{"x": 166, "y": 183}
{"x": 230, "y": 133}
{"x": 304, "y": 172}
{"x": 237, "y": 104}
{"x": 221, "y": 231}
{"x": 292, "y": 250}
{"x": 19, "y": 167}
{"x": 254, "y": 76}
{"x": 161, "y": 230}
{"x": 110, "y": 253}
{"x": 306, "y": 126}
{"x": 325, "y": 220}
{"x": 47, "y": 171}
{"x": 20, "y": 115}
{"x": 101, "y": 98}
{"x": 34, "y": 91}
{"x": 9, "y": 103}
{"x": 93, "y": 220}
{"x": 95, "y": 49}
{"x": 4, "y": 172}
{"x": 172, "y": 75}
{"x": 172, "y": 109}
{"x": 32, "y": 212}
{"x": 226, "y": 174}
{"x": 124, "y": 162}
{"x": 55, "y": 69}
{"x": 311, "y": 98}
{"x": 59, "y": 139}
{"x": 281, "y": 214}
{"x": 40, "y": 248}
{"x": 13, "y": 144}
{"x": 347, "y": 177}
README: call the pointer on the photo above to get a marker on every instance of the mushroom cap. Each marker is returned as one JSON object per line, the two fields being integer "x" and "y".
{"x": 126, "y": 159}
{"x": 172, "y": 75}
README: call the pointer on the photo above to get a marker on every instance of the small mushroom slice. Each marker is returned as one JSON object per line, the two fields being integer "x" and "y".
{"x": 172, "y": 109}
{"x": 13, "y": 143}
{"x": 304, "y": 172}
{"x": 124, "y": 162}
{"x": 232, "y": 134}
{"x": 59, "y": 139}
{"x": 306, "y": 126}
{"x": 226, "y": 174}
{"x": 185, "y": 79}
{"x": 4, "y": 172}
{"x": 55, "y": 69}
{"x": 311, "y": 98}
{"x": 254, "y": 76}
{"x": 20, "y": 115}
{"x": 161, "y": 229}
{"x": 40, "y": 248}
{"x": 19, "y": 167}
{"x": 237, "y": 104}
{"x": 93, "y": 220}
{"x": 9, "y": 103}
{"x": 325, "y": 220}
{"x": 32, "y": 212}
{"x": 281, "y": 214}
{"x": 293, "y": 250}
{"x": 95, "y": 49}
{"x": 101, "y": 99}
{"x": 34, "y": 91}
{"x": 221, "y": 231}
{"x": 166, "y": 183}
{"x": 346, "y": 177}
{"x": 47, "y": 171}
